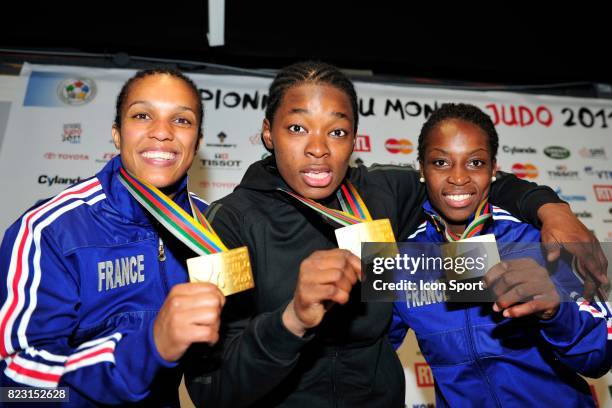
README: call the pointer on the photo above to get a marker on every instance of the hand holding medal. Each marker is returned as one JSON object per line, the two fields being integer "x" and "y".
{"x": 327, "y": 277}
{"x": 230, "y": 270}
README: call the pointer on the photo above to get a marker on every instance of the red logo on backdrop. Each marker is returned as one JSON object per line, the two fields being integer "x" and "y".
{"x": 603, "y": 192}
{"x": 65, "y": 156}
{"x": 362, "y": 143}
{"x": 525, "y": 170}
{"x": 227, "y": 185}
{"x": 403, "y": 146}
{"x": 520, "y": 115}
{"x": 424, "y": 376}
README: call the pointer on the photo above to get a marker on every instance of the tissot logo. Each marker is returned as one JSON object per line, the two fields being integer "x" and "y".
{"x": 423, "y": 374}
{"x": 525, "y": 170}
{"x": 403, "y": 146}
{"x": 362, "y": 143}
{"x": 221, "y": 161}
{"x": 516, "y": 149}
{"x": 603, "y": 192}
{"x": 563, "y": 173}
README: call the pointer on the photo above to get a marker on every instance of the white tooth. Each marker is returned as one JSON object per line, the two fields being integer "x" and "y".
{"x": 321, "y": 175}
{"x": 159, "y": 155}
{"x": 459, "y": 197}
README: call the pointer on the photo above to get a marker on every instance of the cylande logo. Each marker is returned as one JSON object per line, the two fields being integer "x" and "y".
{"x": 403, "y": 146}
{"x": 53, "y": 180}
{"x": 525, "y": 170}
{"x": 515, "y": 150}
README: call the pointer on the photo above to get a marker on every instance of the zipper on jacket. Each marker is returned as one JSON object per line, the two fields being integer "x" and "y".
{"x": 475, "y": 356}
{"x": 333, "y": 377}
{"x": 161, "y": 256}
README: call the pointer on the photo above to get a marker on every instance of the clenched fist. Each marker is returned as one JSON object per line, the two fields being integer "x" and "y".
{"x": 190, "y": 314}
{"x": 326, "y": 277}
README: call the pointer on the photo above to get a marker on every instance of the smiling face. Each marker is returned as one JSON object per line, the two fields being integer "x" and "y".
{"x": 312, "y": 137}
{"x": 158, "y": 137}
{"x": 457, "y": 167}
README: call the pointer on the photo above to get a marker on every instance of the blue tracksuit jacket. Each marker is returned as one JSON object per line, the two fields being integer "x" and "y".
{"x": 81, "y": 281}
{"x": 479, "y": 358}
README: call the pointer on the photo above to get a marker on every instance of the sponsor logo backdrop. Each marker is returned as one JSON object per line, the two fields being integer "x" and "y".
{"x": 59, "y": 131}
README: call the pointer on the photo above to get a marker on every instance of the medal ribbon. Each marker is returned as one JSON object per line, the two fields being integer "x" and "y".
{"x": 196, "y": 233}
{"x": 355, "y": 210}
{"x": 482, "y": 214}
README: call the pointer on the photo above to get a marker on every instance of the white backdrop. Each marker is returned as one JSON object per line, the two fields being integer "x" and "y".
{"x": 60, "y": 118}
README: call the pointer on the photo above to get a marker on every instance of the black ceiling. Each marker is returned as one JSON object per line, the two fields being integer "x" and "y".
{"x": 513, "y": 45}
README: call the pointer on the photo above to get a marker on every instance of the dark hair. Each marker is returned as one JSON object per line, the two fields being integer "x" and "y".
{"x": 462, "y": 111}
{"x": 158, "y": 71}
{"x": 309, "y": 72}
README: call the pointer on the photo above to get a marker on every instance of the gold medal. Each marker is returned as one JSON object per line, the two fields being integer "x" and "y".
{"x": 351, "y": 237}
{"x": 229, "y": 270}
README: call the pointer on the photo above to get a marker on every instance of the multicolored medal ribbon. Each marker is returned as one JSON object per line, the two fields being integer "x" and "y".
{"x": 469, "y": 244}
{"x": 356, "y": 221}
{"x": 229, "y": 269}
{"x": 481, "y": 216}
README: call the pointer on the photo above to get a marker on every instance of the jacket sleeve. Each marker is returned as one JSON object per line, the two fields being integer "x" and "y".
{"x": 521, "y": 198}
{"x": 407, "y": 193}
{"x": 399, "y": 327}
{"x": 255, "y": 351}
{"x": 39, "y": 315}
{"x": 580, "y": 334}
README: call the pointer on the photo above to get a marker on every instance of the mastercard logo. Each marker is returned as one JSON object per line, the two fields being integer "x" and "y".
{"x": 403, "y": 146}
{"x": 526, "y": 170}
